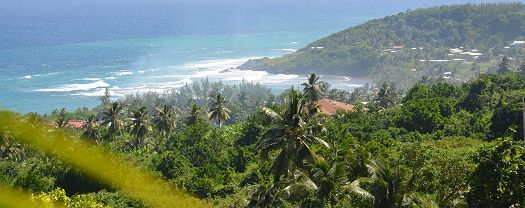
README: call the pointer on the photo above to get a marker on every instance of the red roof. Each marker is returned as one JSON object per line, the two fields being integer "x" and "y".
{"x": 330, "y": 107}
{"x": 76, "y": 123}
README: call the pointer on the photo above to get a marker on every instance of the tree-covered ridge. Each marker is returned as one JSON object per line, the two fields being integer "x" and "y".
{"x": 357, "y": 51}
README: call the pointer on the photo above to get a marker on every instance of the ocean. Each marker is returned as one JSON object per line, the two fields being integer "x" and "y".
{"x": 64, "y": 53}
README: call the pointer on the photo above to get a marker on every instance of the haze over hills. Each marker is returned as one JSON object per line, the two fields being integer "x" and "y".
{"x": 369, "y": 47}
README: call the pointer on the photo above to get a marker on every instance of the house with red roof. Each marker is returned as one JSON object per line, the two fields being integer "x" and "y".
{"x": 331, "y": 107}
{"x": 76, "y": 123}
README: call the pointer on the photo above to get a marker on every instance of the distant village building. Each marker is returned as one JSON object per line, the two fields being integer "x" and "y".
{"x": 76, "y": 124}
{"x": 331, "y": 107}
{"x": 455, "y": 50}
{"x": 518, "y": 43}
{"x": 471, "y": 53}
{"x": 447, "y": 75}
{"x": 439, "y": 60}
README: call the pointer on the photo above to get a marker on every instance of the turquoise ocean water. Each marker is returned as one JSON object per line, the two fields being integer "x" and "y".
{"x": 61, "y": 53}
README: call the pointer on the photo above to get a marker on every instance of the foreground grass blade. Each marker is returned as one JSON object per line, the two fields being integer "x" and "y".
{"x": 100, "y": 164}
{"x": 10, "y": 198}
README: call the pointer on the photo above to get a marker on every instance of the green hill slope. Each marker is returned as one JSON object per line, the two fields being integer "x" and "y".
{"x": 357, "y": 50}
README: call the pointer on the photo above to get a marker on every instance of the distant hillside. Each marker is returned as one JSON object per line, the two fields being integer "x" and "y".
{"x": 357, "y": 50}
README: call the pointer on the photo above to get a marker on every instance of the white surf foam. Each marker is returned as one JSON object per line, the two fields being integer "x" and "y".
{"x": 122, "y": 73}
{"x": 89, "y": 79}
{"x": 226, "y": 70}
{"x": 30, "y": 76}
{"x": 218, "y": 63}
{"x": 76, "y": 87}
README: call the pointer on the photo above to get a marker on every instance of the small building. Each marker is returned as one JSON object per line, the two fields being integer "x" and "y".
{"x": 76, "y": 124}
{"x": 331, "y": 107}
{"x": 517, "y": 43}
{"x": 476, "y": 54}
{"x": 439, "y": 60}
{"x": 455, "y": 50}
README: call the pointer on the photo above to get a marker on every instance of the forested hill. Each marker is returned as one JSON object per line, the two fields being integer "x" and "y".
{"x": 355, "y": 51}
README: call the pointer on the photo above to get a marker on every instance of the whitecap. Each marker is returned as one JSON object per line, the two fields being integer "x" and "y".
{"x": 122, "y": 73}
{"x": 30, "y": 76}
{"x": 219, "y": 63}
{"x": 89, "y": 79}
{"x": 76, "y": 87}
{"x": 152, "y": 70}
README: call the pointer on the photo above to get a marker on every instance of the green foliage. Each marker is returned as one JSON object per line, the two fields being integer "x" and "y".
{"x": 499, "y": 180}
{"x": 387, "y": 96}
{"x": 112, "y": 118}
{"x": 294, "y": 132}
{"x": 58, "y": 198}
{"x": 139, "y": 126}
{"x": 313, "y": 89}
{"x": 218, "y": 111}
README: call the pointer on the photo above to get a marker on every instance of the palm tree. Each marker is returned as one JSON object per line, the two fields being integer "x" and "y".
{"x": 504, "y": 66}
{"x": 165, "y": 119}
{"x": 296, "y": 125}
{"x": 62, "y": 119}
{"x": 112, "y": 118}
{"x": 9, "y": 148}
{"x": 422, "y": 200}
{"x": 195, "y": 114}
{"x": 325, "y": 180}
{"x": 32, "y": 119}
{"x": 387, "y": 95}
{"x": 331, "y": 182}
{"x": 291, "y": 189}
{"x": 383, "y": 181}
{"x": 139, "y": 126}
{"x": 313, "y": 89}
{"x": 90, "y": 129}
{"x": 218, "y": 112}
{"x": 60, "y": 124}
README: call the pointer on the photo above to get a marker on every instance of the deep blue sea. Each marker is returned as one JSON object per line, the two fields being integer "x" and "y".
{"x": 63, "y": 53}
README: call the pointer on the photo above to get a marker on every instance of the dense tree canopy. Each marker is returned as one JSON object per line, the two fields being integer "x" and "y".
{"x": 436, "y": 146}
